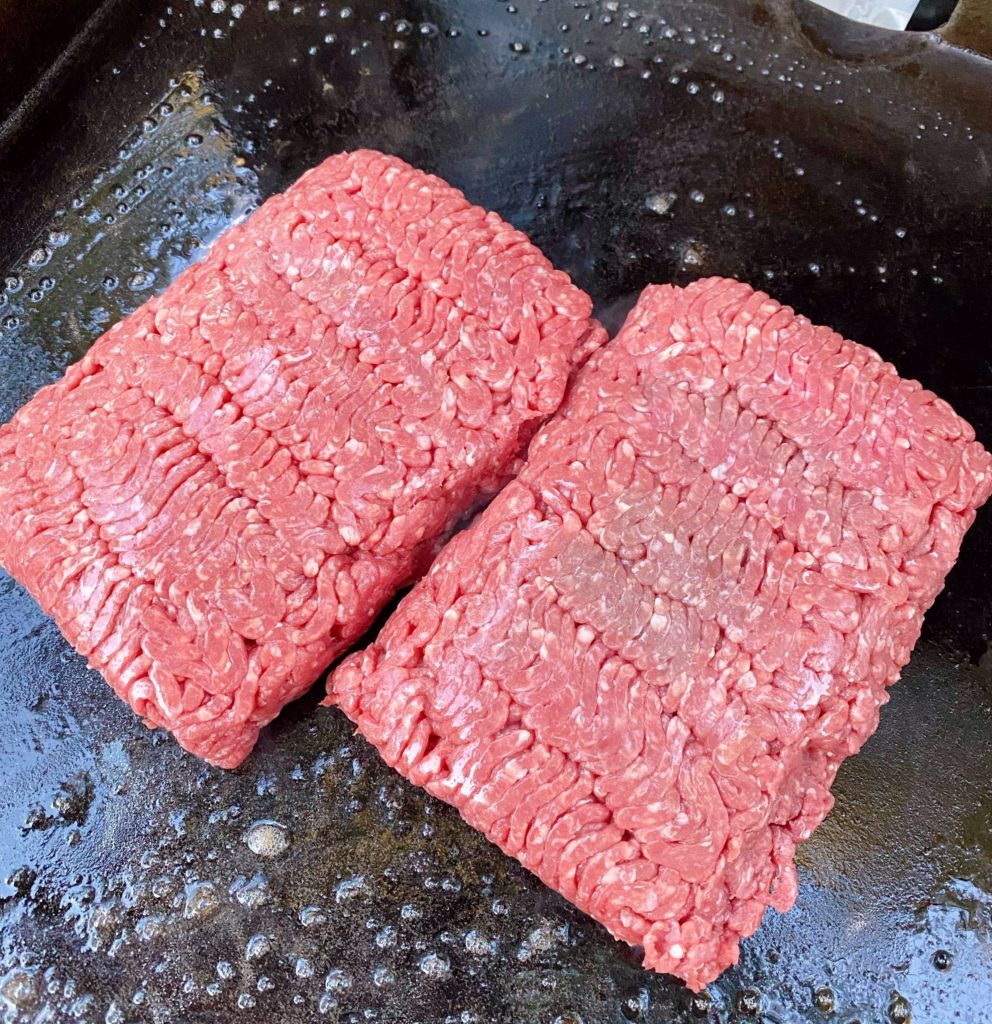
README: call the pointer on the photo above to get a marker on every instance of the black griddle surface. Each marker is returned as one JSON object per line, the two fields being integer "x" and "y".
{"x": 846, "y": 170}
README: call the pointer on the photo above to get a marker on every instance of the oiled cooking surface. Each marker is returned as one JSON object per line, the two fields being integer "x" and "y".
{"x": 172, "y": 130}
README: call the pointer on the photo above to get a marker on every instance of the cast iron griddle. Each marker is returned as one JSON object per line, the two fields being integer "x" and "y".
{"x": 845, "y": 169}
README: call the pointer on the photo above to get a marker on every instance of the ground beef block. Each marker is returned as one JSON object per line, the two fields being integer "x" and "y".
{"x": 640, "y": 669}
{"x": 217, "y": 500}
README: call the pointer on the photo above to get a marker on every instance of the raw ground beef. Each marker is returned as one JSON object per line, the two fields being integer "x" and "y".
{"x": 641, "y": 667}
{"x": 220, "y": 496}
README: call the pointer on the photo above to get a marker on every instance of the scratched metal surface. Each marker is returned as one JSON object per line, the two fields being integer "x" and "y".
{"x": 846, "y": 170}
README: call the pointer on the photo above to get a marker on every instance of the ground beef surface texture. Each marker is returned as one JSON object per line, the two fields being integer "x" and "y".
{"x": 218, "y": 499}
{"x": 641, "y": 667}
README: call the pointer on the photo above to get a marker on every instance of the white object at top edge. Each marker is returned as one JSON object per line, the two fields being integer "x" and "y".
{"x": 887, "y": 14}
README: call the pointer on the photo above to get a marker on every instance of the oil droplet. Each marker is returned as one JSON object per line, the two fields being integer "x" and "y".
{"x": 267, "y": 838}
{"x": 660, "y": 202}
{"x": 349, "y": 887}
{"x": 718, "y": 96}
{"x": 580, "y": 59}
{"x": 636, "y": 1005}
{"x": 435, "y": 966}
{"x": 943, "y": 960}
{"x": 251, "y": 893}
{"x": 477, "y": 944}
{"x": 313, "y": 917}
{"x": 700, "y": 1004}
{"x": 201, "y": 901}
{"x": 899, "y": 1010}
{"x": 616, "y": 61}
{"x": 748, "y": 1002}
{"x": 194, "y": 140}
{"x": 382, "y": 976}
{"x": 20, "y": 989}
{"x": 258, "y": 946}
{"x": 149, "y": 927}
{"x": 694, "y": 254}
{"x": 696, "y": 196}
{"x": 337, "y": 980}
{"x": 823, "y": 1000}
{"x": 900, "y": 232}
